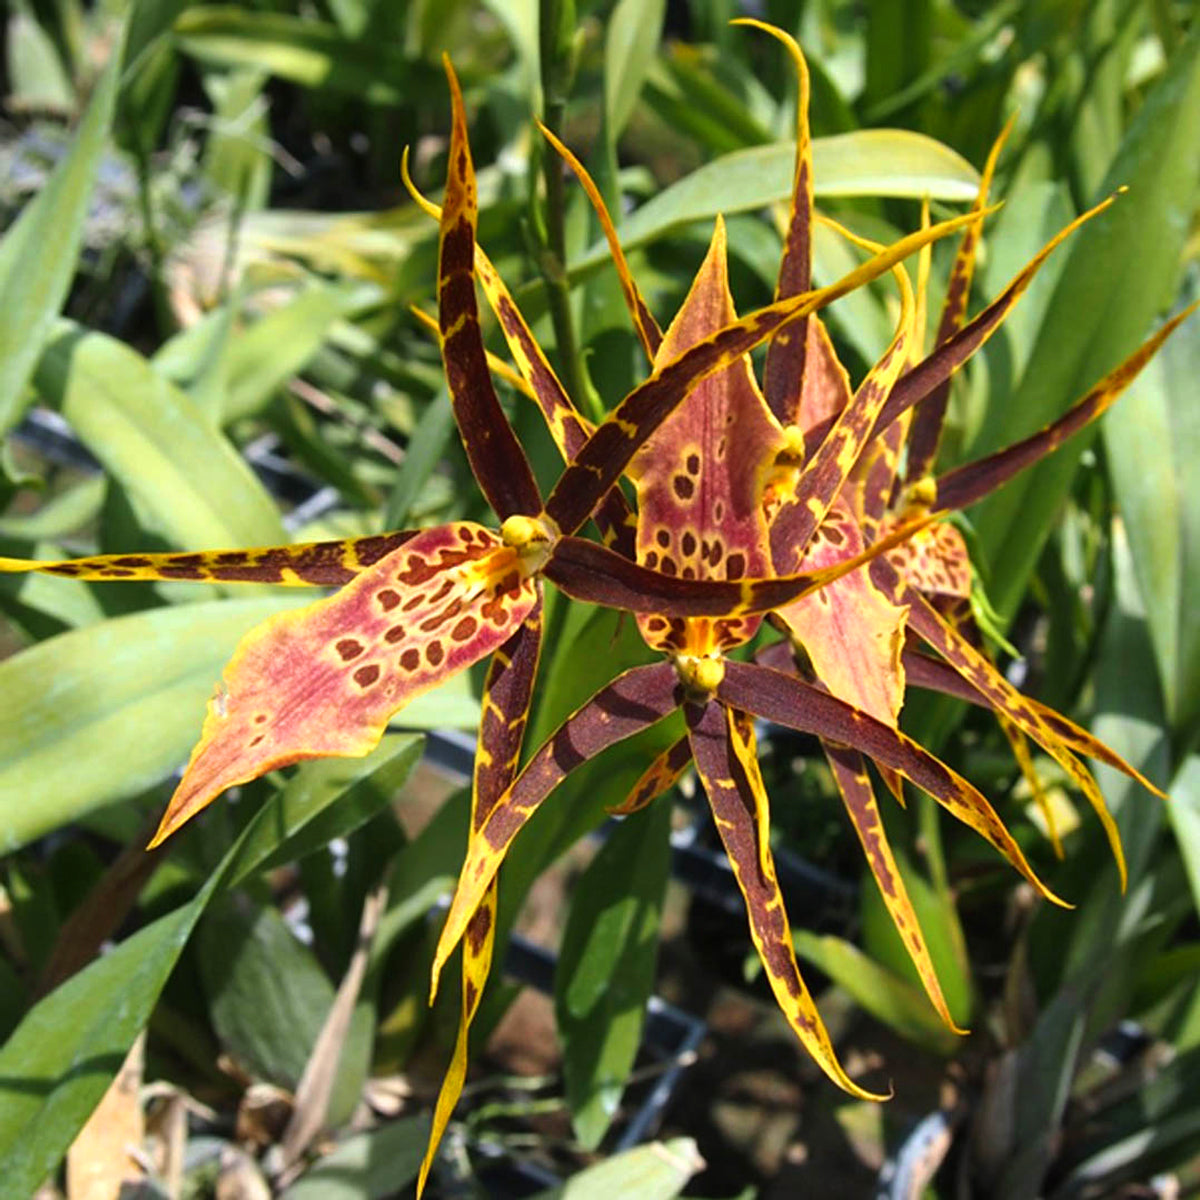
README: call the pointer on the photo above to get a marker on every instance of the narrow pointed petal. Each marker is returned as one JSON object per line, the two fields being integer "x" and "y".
{"x": 829, "y": 469}
{"x": 914, "y": 385}
{"x": 826, "y": 389}
{"x": 326, "y": 679}
{"x": 854, "y": 784}
{"x": 727, "y": 763}
{"x": 959, "y": 488}
{"x": 608, "y": 451}
{"x": 657, "y": 779}
{"x": 851, "y": 632}
{"x": 307, "y": 564}
{"x": 496, "y": 364}
{"x": 497, "y": 460}
{"x": 507, "y": 695}
{"x": 1019, "y": 745}
{"x": 937, "y": 675}
{"x": 635, "y": 700}
{"x": 975, "y": 667}
{"x": 596, "y": 575}
{"x": 930, "y": 415}
{"x": 701, "y": 475}
{"x": 644, "y": 323}
{"x": 786, "y": 365}
{"x": 569, "y": 428}
{"x": 785, "y": 700}
{"x": 874, "y": 477}
{"x": 935, "y": 562}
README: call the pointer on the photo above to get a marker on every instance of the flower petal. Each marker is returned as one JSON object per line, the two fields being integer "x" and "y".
{"x": 785, "y": 700}
{"x": 930, "y": 414}
{"x": 496, "y": 457}
{"x": 307, "y": 564}
{"x": 964, "y": 486}
{"x": 608, "y": 451}
{"x": 325, "y": 680}
{"x": 657, "y": 779}
{"x": 854, "y": 784}
{"x": 727, "y": 763}
{"x": 633, "y": 701}
{"x": 701, "y": 474}
{"x": 506, "y": 699}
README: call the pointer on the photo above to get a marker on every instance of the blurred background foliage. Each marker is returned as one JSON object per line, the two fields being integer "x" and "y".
{"x": 206, "y": 339}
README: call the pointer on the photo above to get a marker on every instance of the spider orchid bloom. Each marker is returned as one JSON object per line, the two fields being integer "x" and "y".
{"x": 792, "y": 488}
{"x": 416, "y": 607}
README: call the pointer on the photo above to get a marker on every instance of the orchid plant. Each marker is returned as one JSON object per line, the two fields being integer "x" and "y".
{"x": 796, "y": 503}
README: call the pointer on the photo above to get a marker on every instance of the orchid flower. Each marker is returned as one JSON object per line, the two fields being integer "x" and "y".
{"x": 798, "y": 473}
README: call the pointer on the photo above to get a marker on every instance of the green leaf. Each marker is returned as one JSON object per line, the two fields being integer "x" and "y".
{"x": 301, "y": 49}
{"x": 367, "y": 1166}
{"x": 153, "y": 439}
{"x": 866, "y": 162}
{"x": 658, "y": 1171}
{"x": 887, "y": 997}
{"x": 100, "y": 714}
{"x": 630, "y": 44}
{"x": 606, "y": 966}
{"x": 59, "y": 1062}
{"x": 1152, "y": 439}
{"x": 267, "y": 994}
{"x": 425, "y": 449}
{"x": 305, "y": 820}
{"x": 39, "y": 252}
{"x": 1122, "y": 270}
{"x": 61, "y": 515}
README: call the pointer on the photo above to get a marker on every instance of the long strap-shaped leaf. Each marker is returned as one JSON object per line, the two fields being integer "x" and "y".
{"x": 307, "y": 564}
{"x": 727, "y": 763}
{"x": 506, "y": 699}
{"x": 854, "y": 784}
{"x": 607, "y": 453}
{"x": 496, "y": 457}
{"x": 974, "y": 666}
{"x": 633, "y": 701}
{"x": 964, "y": 486}
{"x": 325, "y": 680}
{"x": 937, "y": 675}
{"x": 930, "y": 414}
{"x": 785, "y": 700}
{"x": 784, "y": 371}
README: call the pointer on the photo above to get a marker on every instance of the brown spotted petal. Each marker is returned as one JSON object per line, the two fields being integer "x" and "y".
{"x": 968, "y": 484}
{"x": 606, "y": 455}
{"x": 700, "y": 476}
{"x": 634, "y": 701}
{"x": 308, "y": 564}
{"x": 657, "y": 779}
{"x": 977, "y": 669}
{"x": 934, "y": 561}
{"x": 326, "y": 679}
{"x": 851, "y": 631}
{"x": 496, "y": 457}
{"x": 727, "y": 763}
{"x": 937, "y": 675}
{"x": 507, "y": 695}
{"x": 788, "y": 701}
{"x": 850, "y": 774}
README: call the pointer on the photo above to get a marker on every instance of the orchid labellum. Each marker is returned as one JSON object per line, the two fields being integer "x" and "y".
{"x": 778, "y": 501}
